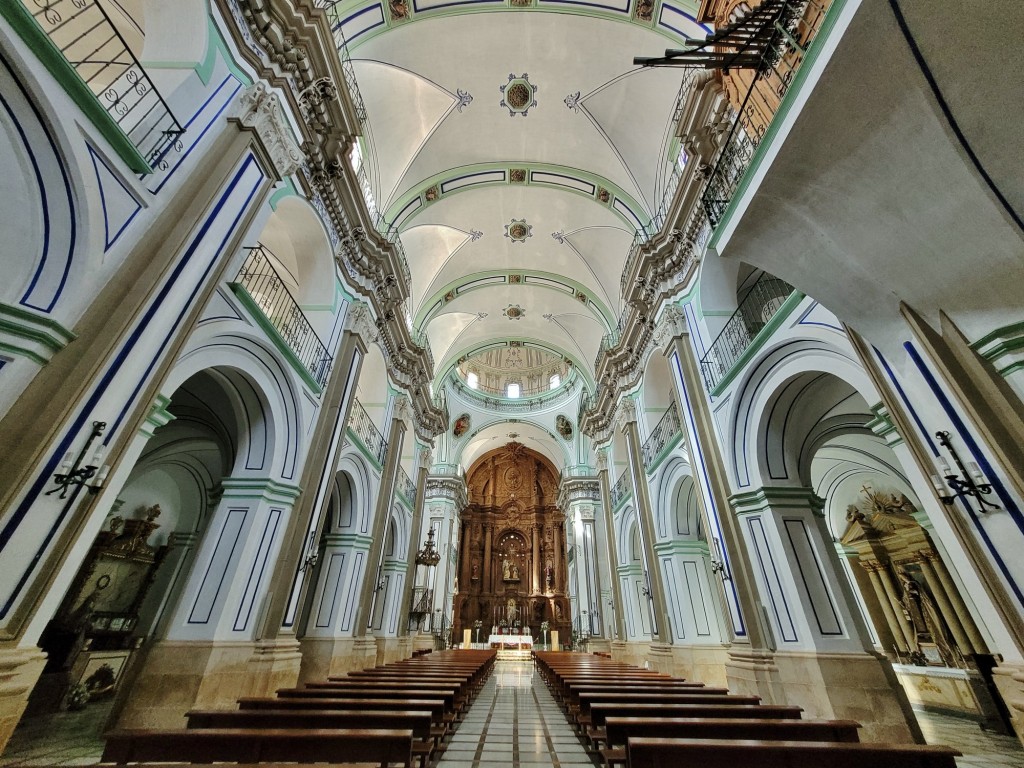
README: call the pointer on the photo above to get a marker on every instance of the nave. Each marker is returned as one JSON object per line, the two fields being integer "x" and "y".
{"x": 527, "y": 714}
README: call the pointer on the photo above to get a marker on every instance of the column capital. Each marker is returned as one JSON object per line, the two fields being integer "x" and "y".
{"x": 626, "y": 413}
{"x": 671, "y": 325}
{"x": 403, "y": 408}
{"x": 777, "y": 498}
{"x": 259, "y": 488}
{"x": 360, "y": 322}
{"x": 426, "y": 458}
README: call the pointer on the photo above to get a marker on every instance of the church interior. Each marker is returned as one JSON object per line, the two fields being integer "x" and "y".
{"x": 498, "y": 356}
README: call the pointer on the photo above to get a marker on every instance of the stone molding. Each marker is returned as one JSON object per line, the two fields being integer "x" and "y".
{"x": 259, "y": 109}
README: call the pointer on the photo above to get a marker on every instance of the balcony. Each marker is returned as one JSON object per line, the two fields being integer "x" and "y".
{"x": 662, "y": 439}
{"x": 366, "y": 432}
{"x": 260, "y": 287}
{"x": 80, "y": 46}
{"x": 621, "y": 490}
{"x": 751, "y": 322}
{"x": 794, "y": 30}
{"x": 405, "y": 487}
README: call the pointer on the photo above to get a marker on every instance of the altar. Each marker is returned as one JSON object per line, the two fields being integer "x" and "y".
{"x": 510, "y": 641}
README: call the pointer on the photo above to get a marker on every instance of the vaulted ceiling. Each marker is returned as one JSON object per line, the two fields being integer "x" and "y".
{"x": 518, "y": 150}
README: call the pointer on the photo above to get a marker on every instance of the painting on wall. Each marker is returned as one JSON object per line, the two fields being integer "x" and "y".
{"x": 461, "y": 425}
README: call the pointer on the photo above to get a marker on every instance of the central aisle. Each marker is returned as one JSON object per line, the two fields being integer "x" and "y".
{"x": 514, "y": 722}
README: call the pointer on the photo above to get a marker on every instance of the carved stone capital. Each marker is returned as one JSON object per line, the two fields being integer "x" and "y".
{"x": 260, "y": 109}
{"x": 360, "y": 322}
{"x": 426, "y": 457}
{"x": 672, "y": 324}
{"x": 626, "y": 413}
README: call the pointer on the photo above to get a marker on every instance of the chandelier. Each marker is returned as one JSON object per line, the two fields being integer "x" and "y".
{"x": 428, "y": 556}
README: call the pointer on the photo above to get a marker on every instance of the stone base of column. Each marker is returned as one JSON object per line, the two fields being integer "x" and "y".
{"x": 846, "y": 686}
{"x": 177, "y": 676}
{"x": 632, "y": 652}
{"x": 659, "y": 657}
{"x": 599, "y": 645}
{"x": 326, "y": 656}
{"x": 20, "y": 668}
{"x": 392, "y": 649}
{"x": 423, "y": 641}
{"x": 701, "y": 663}
{"x": 1009, "y": 679}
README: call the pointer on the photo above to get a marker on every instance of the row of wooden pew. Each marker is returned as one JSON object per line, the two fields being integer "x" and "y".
{"x": 643, "y": 719}
{"x": 391, "y": 715}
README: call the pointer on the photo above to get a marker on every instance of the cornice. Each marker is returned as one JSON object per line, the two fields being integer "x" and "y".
{"x": 289, "y": 43}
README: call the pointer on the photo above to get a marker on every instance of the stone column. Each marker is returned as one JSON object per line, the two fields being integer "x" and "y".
{"x": 978, "y": 644}
{"x": 487, "y": 569}
{"x": 612, "y": 551}
{"x": 288, "y": 585}
{"x": 939, "y": 591}
{"x": 899, "y": 638}
{"x": 538, "y": 530}
{"x": 897, "y": 607}
{"x": 381, "y": 513}
{"x": 661, "y": 632}
{"x": 425, "y": 460}
{"x": 558, "y": 555}
{"x": 466, "y": 570}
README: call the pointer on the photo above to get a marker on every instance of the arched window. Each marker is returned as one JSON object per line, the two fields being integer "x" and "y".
{"x": 555, "y": 380}
{"x": 513, "y": 389}
{"x": 473, "y": 380}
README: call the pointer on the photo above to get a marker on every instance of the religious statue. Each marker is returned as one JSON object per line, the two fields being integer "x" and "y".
{"x": 510, "y": 611}
{"x": 558, "y": 612}
{"x": 505, "y": 573}
{"x": 476, "y": 571}
{"x": 515, "y": 573}
{"x": 549, "y": 576}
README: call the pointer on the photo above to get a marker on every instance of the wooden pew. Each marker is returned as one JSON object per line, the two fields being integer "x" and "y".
{"x": 620, "y": 729}
{"x": 726, "y": 753}
{"x": 419, "y": 722}
{"x": 587, "y": 700}
{"x": 436, "y": 707}
{"x": 383, "y": 747}
{"x": 599, "y": 713}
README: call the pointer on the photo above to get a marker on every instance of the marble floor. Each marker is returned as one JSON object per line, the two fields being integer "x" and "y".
{"x": 513, "y": 722}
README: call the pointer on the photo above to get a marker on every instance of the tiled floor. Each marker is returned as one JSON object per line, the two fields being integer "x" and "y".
{"x": 513, "y": 722}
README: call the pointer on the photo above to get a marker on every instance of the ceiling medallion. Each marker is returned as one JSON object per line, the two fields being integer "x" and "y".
{"x": 518, "y": 95}
{"x": 517, "y": 230}
{"x": 513, "y": 312}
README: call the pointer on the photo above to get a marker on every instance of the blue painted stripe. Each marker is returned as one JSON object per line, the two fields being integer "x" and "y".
{"x": 906, "y": 402}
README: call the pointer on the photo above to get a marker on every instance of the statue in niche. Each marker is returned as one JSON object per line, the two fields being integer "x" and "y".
{"x": 549, "y": 576}
{"x": 476, "y": 571}
{"x": 515, "y": 573}
{"x": 558, "y": 612}
{"x": 505, "y": 571}
{"x": 925, "y": 620}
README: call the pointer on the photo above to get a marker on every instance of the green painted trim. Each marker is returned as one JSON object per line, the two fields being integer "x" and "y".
{"x": 358, "y": 542}
{"x": 664, "y": 452}
{"x": 574, "y": 10}
{"x": 274, "y": 335}
{"x": 776, "y": 498}
{"x": 50, "y": 56}
{"x": 999, "y": 334}
{"x": 759, "y": 341}
{"x": 158, "y": 416}
{"x": 424, "y": 316}
{"x": 449, "y": 173}
{"x": 799, "y": 80}
{"x": 358, "y": 443}
{"x": 622, "y": 502}
{"x": 629, "y": 569}
{"x": 287, "y": 190}
{"x": 1001, "y": 342}
{"x": 217, "y": 44}
{"x": 682, "y": 547}
{"x": 264, "y": 488}
{"x": 35, "y": 328}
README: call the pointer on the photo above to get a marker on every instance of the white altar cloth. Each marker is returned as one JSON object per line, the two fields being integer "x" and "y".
{"x": 510, "y": 641}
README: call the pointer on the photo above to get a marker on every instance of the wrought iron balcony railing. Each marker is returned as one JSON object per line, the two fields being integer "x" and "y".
{"x": 610, "y": 339}
{"x": 668, "y": 428}
{"x": 406, "y": 486}
{"x": 362, "y": 427}
{"x": 621, "y": 489}
{"x": 795, "y": 27}
{"x": 334, "y": 18}
{"x": 262, "y": 283}
{"x": 758, "y": 307}
{"x": 84, "y": 34}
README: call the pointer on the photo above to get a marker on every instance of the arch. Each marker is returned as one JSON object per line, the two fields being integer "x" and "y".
{"x": 374, "y": 385}
{"x": 658, "y": 391}
{"x": 676, "y": 513}
{"x": 343, "y": 503}
{"x": 265, "y": 398}
{"x": 362, "y": 485}
{"x": 763, "y": 413}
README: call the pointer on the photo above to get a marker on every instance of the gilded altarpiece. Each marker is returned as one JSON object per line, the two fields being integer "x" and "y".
{"x": 512, "y": 562}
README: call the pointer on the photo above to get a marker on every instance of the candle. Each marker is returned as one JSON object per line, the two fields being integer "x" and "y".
{"x": 65, "y": 465}
{"x": 976, "y": 472}
{"x": 944, "y": 466}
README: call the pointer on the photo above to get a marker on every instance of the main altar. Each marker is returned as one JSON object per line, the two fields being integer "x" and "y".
{"x": 512, "y": 564}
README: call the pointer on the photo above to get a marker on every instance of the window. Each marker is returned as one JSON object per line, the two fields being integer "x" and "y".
{"x": 555, "y": 380}
{"x": 513, "y": 389}
{"x": 472, "y": 380}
